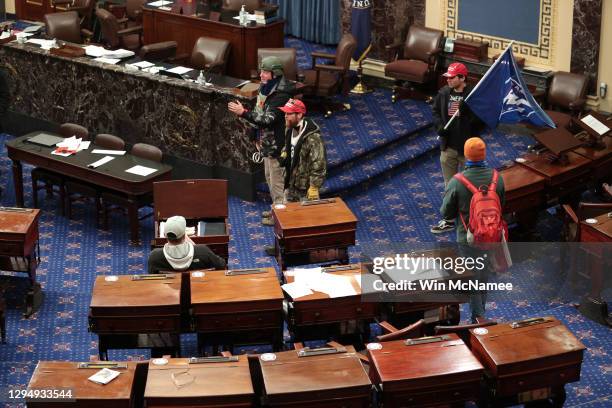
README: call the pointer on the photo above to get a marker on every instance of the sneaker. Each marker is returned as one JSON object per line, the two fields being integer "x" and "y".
{"x": 443, "y": 226}
{"x": 270, "y": 251}
{"x": 267, "y": 222}
{"x": 266, "y": 214}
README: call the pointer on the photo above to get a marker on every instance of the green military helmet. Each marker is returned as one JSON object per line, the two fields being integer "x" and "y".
{"x": 272, "y": 64}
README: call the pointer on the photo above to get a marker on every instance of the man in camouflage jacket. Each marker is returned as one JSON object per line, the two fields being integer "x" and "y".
{"x": 303, "y": 155}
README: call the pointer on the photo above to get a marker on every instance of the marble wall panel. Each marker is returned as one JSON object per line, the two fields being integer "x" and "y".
{"x": 586, "y": 32}
{"x": 390, "y": 19}
{"x": 184, "y": 119}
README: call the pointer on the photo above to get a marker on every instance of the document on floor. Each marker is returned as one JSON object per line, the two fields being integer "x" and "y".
{"x": 141, "y": 170}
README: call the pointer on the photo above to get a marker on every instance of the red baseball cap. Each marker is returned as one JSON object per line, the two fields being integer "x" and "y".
{"x": 454, "y": 69}
{"x": 294, "y": 106}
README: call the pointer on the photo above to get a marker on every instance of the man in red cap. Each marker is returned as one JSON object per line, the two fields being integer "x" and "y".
{"x": 452, "y": 139}
{"x": 303, "y": 155}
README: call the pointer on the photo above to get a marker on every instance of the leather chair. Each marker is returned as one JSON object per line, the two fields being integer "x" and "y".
{"x": 414, "y": 61}
{"x": 116, "y": 37}
{"x": 324, "y": 81}
{"x": 249, "y": 5}
{"x": 50, "y": 178}
{"x": 115, "y": 199}
{"x": 566, "y": 97}
{"x": 210, "y": 54}
{"x": 76, "y": 189}
{"x": 129, "y": 13}
{"x": 287, "y": 57}
{"x": 85, "y": 9}
{"x": 162, "y": 51}
{"x": 65, "y": 26}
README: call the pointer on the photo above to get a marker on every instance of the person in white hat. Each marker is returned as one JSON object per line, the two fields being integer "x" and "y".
{"x": 180, "y": 253}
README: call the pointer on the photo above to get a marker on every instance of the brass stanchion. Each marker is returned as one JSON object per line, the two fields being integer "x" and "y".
{"x": 361, "y": 88}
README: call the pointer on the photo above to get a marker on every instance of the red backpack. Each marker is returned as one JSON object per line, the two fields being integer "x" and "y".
{"x": 486, "y": 221}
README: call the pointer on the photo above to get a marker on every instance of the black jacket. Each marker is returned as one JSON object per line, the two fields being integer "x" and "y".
{"x": 271, "y": 120}
{"x": 464, "y": 126}
{"x": 203, "y": 258}
{"x": 4, "y": 96}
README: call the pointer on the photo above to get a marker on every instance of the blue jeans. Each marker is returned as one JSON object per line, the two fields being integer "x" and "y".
{"x": 478, "y": 298}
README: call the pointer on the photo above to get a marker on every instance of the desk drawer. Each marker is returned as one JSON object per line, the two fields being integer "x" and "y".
{"x": 334, "y": 313}
{"x": 305, "y": 243}
{"x": 237, "y": 321}
{"x": 540, "y": 379}
{"x": 441, "y": 396}
{"x": 153, "y": 324}
{"x": 11, "y": 248}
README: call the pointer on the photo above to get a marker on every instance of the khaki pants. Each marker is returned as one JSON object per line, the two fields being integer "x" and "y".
{"x": 275, "y": 177}
{"x": 452, "y": 163}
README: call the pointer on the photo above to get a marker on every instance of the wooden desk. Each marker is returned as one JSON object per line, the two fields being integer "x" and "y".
{"x": 18, "y": 244}
{"x": 426, "y": 375}
{"x": 225, "y": 384}
{"x": 521, "y": 362}
{"x": 313, "y": 233}
{"x": 111, "y": 175}
{"x": 524, "y": 189}
{"x": 329, "y": 381}
{"x": 123, "y": 309}
{"x": 561, "y": 179}
{"x": 120, "y": 392}
{"x": 597, "y": 238}
{"x": 601, "y": 157}
{"x": 238, "y": 308}
{"x": 200, "y": 201}
{"x": 186, "y": 28}
{"x": 311, "y": 314}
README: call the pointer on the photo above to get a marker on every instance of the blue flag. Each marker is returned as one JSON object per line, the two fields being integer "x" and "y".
{"x": 501, "y": 96}
{"x": 361, "y": 26}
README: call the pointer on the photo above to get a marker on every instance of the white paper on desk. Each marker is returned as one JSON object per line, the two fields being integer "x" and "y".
{"x": 31, "y": 29}
{"x": 165, "y": 8}
{"x": 180, "y": 70}
{"x": 143, "y": 64}
{"x": 4, "y": 34}
{"x": 100, "y": 162}
{"x": 308, "y": 277}
{"x": 159, "y": 3}
{"x": 296, "y": 290}
{"x": 595, "y": 124}
{"x": 70, "y": 143}
{"x": 84, "y": 145}
{"x": 141, "y": 170}
{"x": 24, "y": 34}
{"x": 65, "y": 154}
{"x": 336, "y": 285}
{"x": 44, "y": 44}
{"x": 120, "y": 53}
{"x": 105, "y": 60}
{"x": 357, "y": 279}
{"x": 250, "y": 17}
{"x": 104, "y": 376}
{"x": 94, "y": 51}
{"x": 113, "y": 152}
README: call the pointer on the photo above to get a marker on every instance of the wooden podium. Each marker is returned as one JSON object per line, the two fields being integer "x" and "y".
{"x": 18, "y": 249}
{"x": 528, "y": 360}
{"x": 313, "y": 232}
{"x": 425, "y": 372}
{"x": 332, "y": 380}
{"x": 203, "y": 203}
{"x": 215, "y": 383}
{"x": 136, "y": 311}
{"x": 237, "y": 307}
{"x": 122, "y": 392}
{"x": 318, "y": 315}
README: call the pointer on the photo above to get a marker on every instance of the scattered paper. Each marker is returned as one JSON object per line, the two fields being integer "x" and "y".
{"x": 4, "y": 34}
{"x": 97, "y": 52}
{"x": 595, "y": 124}
{"x": 32, "y": 29}
{"x": 159, "y": 3}
{"x": 100, "y": 162}
{"x": 84, "y": 145}
{"x": 337, "y": 285}
{"x": 180, "y": 70}
{"x": 250, "y": 17}
{"x": 94, "y": 51}
{"x": 105, "y": 60}
{"x": 104, "y": 376}
{"x": 296, "y": 290}
{"x": 165, "y": 8}
{"x": 113, "y": 152}
{"x": 357, "y": 279}
{"x": 143, "y": 64}
{"x": 141, "y": 170}
{"x": 68, "y": 146}
{"x": 44, "y": 44}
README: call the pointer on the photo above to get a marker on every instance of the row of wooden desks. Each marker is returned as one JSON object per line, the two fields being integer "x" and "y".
{"x": 516, "y": 362}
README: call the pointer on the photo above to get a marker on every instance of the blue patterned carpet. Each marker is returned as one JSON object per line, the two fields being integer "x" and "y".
{"x": 394, "y": 190}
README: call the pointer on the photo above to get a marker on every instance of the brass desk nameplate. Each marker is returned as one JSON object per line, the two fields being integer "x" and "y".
{"x": 308, "y": 352}
{"x": 236, "y": 272}
{"x": 102, "y": 364}
{"x": 317, "y": 202}
{"x": 425, "y": 340}
{"x": 337, "y": 268}
{"x": 159, "y": 276}
{"x": 15, "y": 209}
{"x": 528, "y": 322}
{"x": 213, "y": 359}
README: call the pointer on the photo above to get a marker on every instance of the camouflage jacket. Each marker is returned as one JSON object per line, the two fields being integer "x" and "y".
{"x": 309, "y": 164}
{"x": 270, "y": 120}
